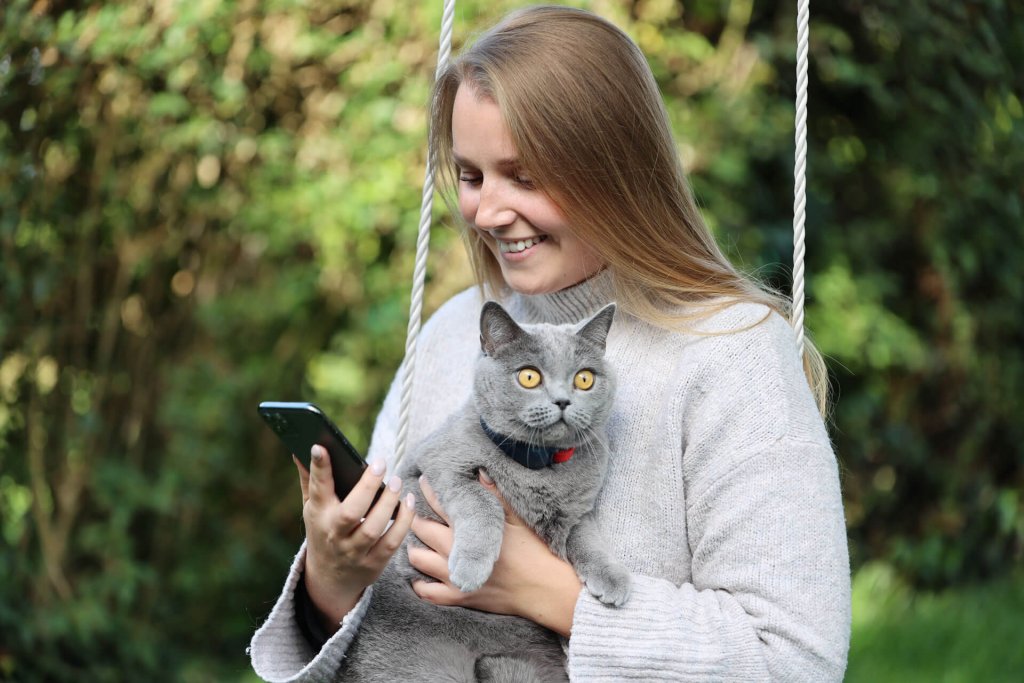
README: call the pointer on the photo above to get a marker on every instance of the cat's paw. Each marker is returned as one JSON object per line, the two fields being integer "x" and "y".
{"x": 610, "y": 584}
{"x": 468, "y": 573}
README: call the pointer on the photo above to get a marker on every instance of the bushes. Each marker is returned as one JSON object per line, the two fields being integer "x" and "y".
{"x": 210, "y": 204}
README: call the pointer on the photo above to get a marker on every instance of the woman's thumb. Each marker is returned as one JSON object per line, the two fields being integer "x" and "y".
{"x": 488, "y": 483}
{"x": 320, "y": 483}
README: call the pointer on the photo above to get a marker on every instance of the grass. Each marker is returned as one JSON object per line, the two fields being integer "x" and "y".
{"x": 972, "y": 634}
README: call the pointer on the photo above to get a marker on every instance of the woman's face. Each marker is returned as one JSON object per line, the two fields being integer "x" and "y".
{"x": 521, "y": 225}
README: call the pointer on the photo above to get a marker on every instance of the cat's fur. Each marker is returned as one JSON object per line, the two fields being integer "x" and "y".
{"x": 403, "y": 638}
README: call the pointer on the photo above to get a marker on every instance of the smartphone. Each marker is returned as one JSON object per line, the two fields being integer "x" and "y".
{"x": 301, "y": 425}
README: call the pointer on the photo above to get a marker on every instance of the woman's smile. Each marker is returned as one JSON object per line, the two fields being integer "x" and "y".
{"x": 518, "y": 250}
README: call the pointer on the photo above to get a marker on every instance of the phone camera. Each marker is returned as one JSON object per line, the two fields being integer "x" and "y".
{"x": 279, "y": 423}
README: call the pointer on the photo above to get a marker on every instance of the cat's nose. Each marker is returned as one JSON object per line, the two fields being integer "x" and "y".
{"x": 562, "y": 403}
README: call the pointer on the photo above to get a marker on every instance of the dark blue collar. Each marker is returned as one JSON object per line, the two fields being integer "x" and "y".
{"x": 527, "y": 455}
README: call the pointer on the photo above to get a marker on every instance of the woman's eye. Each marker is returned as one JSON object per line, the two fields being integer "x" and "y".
{"x": 470, "y": 179}
{"x": 583, "y": 380}
{"x": 529, "y": 377}
{"x": 525, "y": 182}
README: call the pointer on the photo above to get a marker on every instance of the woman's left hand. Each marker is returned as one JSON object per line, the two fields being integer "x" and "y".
{"x": 528, "y": 579}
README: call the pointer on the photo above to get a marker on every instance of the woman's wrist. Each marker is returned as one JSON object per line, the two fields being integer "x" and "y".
{"x": 553, "y": 603}
{"x": 332, "y": 600}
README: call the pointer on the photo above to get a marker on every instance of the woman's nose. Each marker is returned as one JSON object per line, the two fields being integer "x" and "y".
{"x": 493, "y": 211}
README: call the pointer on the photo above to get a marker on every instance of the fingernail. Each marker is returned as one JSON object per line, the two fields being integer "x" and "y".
{"x": 486, "y": 477}
{"x": 316, "y": 452}
{"x": 378, "y": 466}
{"x": 395, "y": 484}
{"x": 410, "y": 500}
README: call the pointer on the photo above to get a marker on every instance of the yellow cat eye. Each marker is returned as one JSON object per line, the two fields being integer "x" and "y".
{"x": 584, "y": 379}
{"x": 529, "y": 377}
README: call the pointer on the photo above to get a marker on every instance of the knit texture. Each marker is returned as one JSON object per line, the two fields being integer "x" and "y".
{"x": 722, "y": 498}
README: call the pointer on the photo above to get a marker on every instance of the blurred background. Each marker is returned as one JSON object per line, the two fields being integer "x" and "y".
{"x": 208, "y": 203}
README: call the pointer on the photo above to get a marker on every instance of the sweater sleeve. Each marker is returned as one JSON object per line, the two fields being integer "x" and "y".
{"x": 769, "y": 597}
{"x": 280, "y": 652}
{"x": 768, "y": 592}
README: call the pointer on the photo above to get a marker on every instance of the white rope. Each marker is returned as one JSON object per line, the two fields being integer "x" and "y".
{"x": 422, "y": 249}
{"x": 800, "y": 174}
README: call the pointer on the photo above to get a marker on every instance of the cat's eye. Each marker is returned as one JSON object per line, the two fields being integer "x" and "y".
{"x": 529, "y": 377}
{"x": 584, "y": 379}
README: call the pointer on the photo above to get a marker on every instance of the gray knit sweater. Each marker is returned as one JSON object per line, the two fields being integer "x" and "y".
{"x": 722, "y": 498}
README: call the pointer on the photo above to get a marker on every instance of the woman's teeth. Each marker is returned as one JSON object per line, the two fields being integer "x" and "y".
{"x": 521, "y": 245}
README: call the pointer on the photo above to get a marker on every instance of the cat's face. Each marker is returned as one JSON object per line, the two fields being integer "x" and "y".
{"x": 544, "y": 384}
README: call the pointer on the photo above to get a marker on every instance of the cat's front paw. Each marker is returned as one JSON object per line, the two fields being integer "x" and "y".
{"x": 610, "y": 584}
{"x": 468, "y": 573}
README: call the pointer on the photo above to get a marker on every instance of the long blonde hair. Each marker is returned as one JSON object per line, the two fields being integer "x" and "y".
{"x": 589, "y": 126}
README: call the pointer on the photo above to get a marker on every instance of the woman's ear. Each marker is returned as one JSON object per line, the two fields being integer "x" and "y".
{"x": 596, "y": 329}
{"x": 497, "y": 327}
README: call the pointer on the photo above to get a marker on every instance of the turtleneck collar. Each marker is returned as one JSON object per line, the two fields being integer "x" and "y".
{"x": 569, "y": 305}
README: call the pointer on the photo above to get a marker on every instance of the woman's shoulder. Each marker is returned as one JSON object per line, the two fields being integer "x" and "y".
{"x": 746, "y": 328}
{"x": 716, "y": 331}
{"x": 745, "y": 364}
{"x": 460, "y": 312}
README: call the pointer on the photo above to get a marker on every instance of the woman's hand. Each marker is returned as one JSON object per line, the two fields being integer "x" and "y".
{"x": 528, "y": 579}
{"x": 348, "y": 543}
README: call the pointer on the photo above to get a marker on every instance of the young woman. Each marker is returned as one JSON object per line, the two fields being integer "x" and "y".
{"x": 723, "y": 494}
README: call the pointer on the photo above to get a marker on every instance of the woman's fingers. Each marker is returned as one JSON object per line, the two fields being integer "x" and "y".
{"x": 428, "y": 562}
{"x": 321, "y": 479}
{"x": 432, "y": 501}
{"x": 438, "y": 593}
{"x": 380, "y": 514}
{"x": 356, "y": 504}
{"x": 434, "y": 535}
{"x": 392, "y": 539}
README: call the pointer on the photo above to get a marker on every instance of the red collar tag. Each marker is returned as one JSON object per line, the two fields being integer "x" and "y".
{"x": 563, "y": 456}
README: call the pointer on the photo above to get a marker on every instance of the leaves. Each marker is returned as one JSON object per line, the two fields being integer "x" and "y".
{"x": 208, "y": 204}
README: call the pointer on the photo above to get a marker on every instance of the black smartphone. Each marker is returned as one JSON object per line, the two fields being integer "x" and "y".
{"x": 301, "y": 425}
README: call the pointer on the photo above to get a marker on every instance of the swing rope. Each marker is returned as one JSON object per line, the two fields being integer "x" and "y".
{"x": 800, "y": 174}
{"x": 419, "y": 275}
{"x": 426, "y": 209}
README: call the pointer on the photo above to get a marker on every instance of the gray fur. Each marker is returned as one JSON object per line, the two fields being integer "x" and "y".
{"x": 403, "y": 638}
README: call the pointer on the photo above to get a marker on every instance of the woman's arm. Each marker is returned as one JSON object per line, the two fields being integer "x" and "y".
{"x": 769, "y": 594}
{"x": 279, "y": 651}
{"x": 348, "y": 544}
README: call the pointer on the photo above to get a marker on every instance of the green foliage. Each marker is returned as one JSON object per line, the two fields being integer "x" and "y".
{"x": 955, "y": 636}
{"x": 208, "y": 204}
{"x": 918, "y": 199}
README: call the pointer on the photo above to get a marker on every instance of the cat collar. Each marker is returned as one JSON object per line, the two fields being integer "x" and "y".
{"x": 527, "y": 455}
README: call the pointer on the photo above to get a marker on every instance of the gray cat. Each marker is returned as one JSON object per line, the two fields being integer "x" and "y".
{"x": 536, "y": 422}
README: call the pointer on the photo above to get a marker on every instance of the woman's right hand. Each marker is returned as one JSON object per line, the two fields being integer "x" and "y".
{"x": 348, "y": 543}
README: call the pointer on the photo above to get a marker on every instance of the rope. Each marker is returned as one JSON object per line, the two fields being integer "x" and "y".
{"x": 800, "y": 174}
{"x": 422, "y": 249}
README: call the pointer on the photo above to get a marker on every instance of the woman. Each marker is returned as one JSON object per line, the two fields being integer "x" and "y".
{"x": 722, "y": 495}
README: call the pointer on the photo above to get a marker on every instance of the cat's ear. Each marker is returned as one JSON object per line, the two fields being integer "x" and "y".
{"x": 596, "y": 329}
{"x": 497, "y": 327}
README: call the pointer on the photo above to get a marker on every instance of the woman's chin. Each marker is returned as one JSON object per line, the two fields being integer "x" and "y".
{"x": 533, "y": 284}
